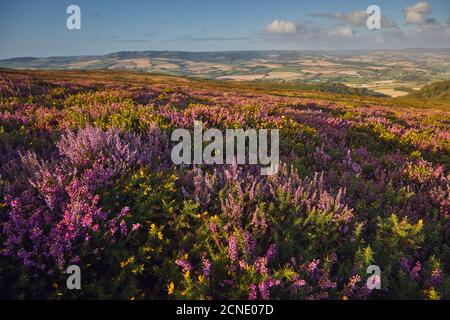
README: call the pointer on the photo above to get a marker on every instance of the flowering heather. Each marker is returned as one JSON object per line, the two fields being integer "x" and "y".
{"x": 86, "y": 179}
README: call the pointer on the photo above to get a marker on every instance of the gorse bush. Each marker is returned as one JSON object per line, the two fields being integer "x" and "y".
{"x": 86, "y": 179}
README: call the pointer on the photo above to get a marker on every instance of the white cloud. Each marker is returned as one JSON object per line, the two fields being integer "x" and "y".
{"x": 343, "y": 32}
{"x": 281, "y": 26}
{"x": 356, "y": 18}
{"x": 350, "y": 32}
{"x": 310, "y": 36}
{"x": 416, "y": 13}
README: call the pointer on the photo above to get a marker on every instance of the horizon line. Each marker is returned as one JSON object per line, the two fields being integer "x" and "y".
{"x": 222, "y": 51}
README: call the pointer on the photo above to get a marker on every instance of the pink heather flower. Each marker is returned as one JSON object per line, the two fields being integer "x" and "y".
{"x": 184, "y": 264}
{"x": 125, "y": 211}
{"x": 271, "y": 252}
{"x": 326, "y": 283}
{"x": 404, "y": 263}
{"x": 293, "y": 262}
{"x": 264, "y": 290}
{"x": 228, "y": 282}
{"x": 415, "y": 272}
{"x": 242, "y": 264}
{"x": 436, "y": 277}
{"x": 272, "y": 283}
{"x": 249, "y": 243}
{"x": 312, "y": 266}
{"x": 232, "y": 248}
{"x": 261, "y": 265}
{"x": 298, "y": 282}
{"x": 113, "y": 229}
{"x": 351, "y": 287}
{"x": 123, "y": 228}
{"x": 136, "y": 226}
{"x": 213, "y": 227}
{"x": 317, "y": 296}
{"x": 206, "y": 267}
{"x": 252, "y": 293}
{"x": 265, "y": 286}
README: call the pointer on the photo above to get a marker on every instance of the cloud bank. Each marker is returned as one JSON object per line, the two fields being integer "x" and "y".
{"x": 349, "y": 31}
{"x": 356, "y": 18}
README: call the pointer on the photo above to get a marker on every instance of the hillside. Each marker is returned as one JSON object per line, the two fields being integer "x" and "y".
{"x": 88, "y": 177}
{"x": 436, "y": 91}
{"x": 393, "y": 72}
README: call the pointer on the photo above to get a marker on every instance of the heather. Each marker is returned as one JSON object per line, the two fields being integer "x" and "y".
{"x": 86, "y": 178}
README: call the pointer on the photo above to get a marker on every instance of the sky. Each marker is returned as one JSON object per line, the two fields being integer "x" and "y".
{"x": 38, "y": 28}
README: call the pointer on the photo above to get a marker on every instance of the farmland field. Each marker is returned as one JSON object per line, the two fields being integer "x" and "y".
{"x": 390, "y": 72}
{"x": 86, "y": 178}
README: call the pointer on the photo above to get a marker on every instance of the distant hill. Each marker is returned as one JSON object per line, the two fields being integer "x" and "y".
{"x": 437, "y": 91}
{"x": 343, "y": 89}
{"x": 329, "y": 87}
{"x": 363, "y": 72}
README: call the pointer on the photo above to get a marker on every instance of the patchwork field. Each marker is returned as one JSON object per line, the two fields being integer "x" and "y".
{"x": 405, "y": 70}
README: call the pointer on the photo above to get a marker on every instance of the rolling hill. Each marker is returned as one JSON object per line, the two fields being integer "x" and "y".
{"x": 393, "y": 73}
{"x": 438, "y": 91}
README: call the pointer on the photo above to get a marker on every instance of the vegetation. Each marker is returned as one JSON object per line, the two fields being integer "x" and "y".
{"x": 86, "y": 179}
{"x": 437, "y": 91}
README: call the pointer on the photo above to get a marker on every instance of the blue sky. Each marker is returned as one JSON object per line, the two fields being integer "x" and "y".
{"x": 38, "y": 28}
